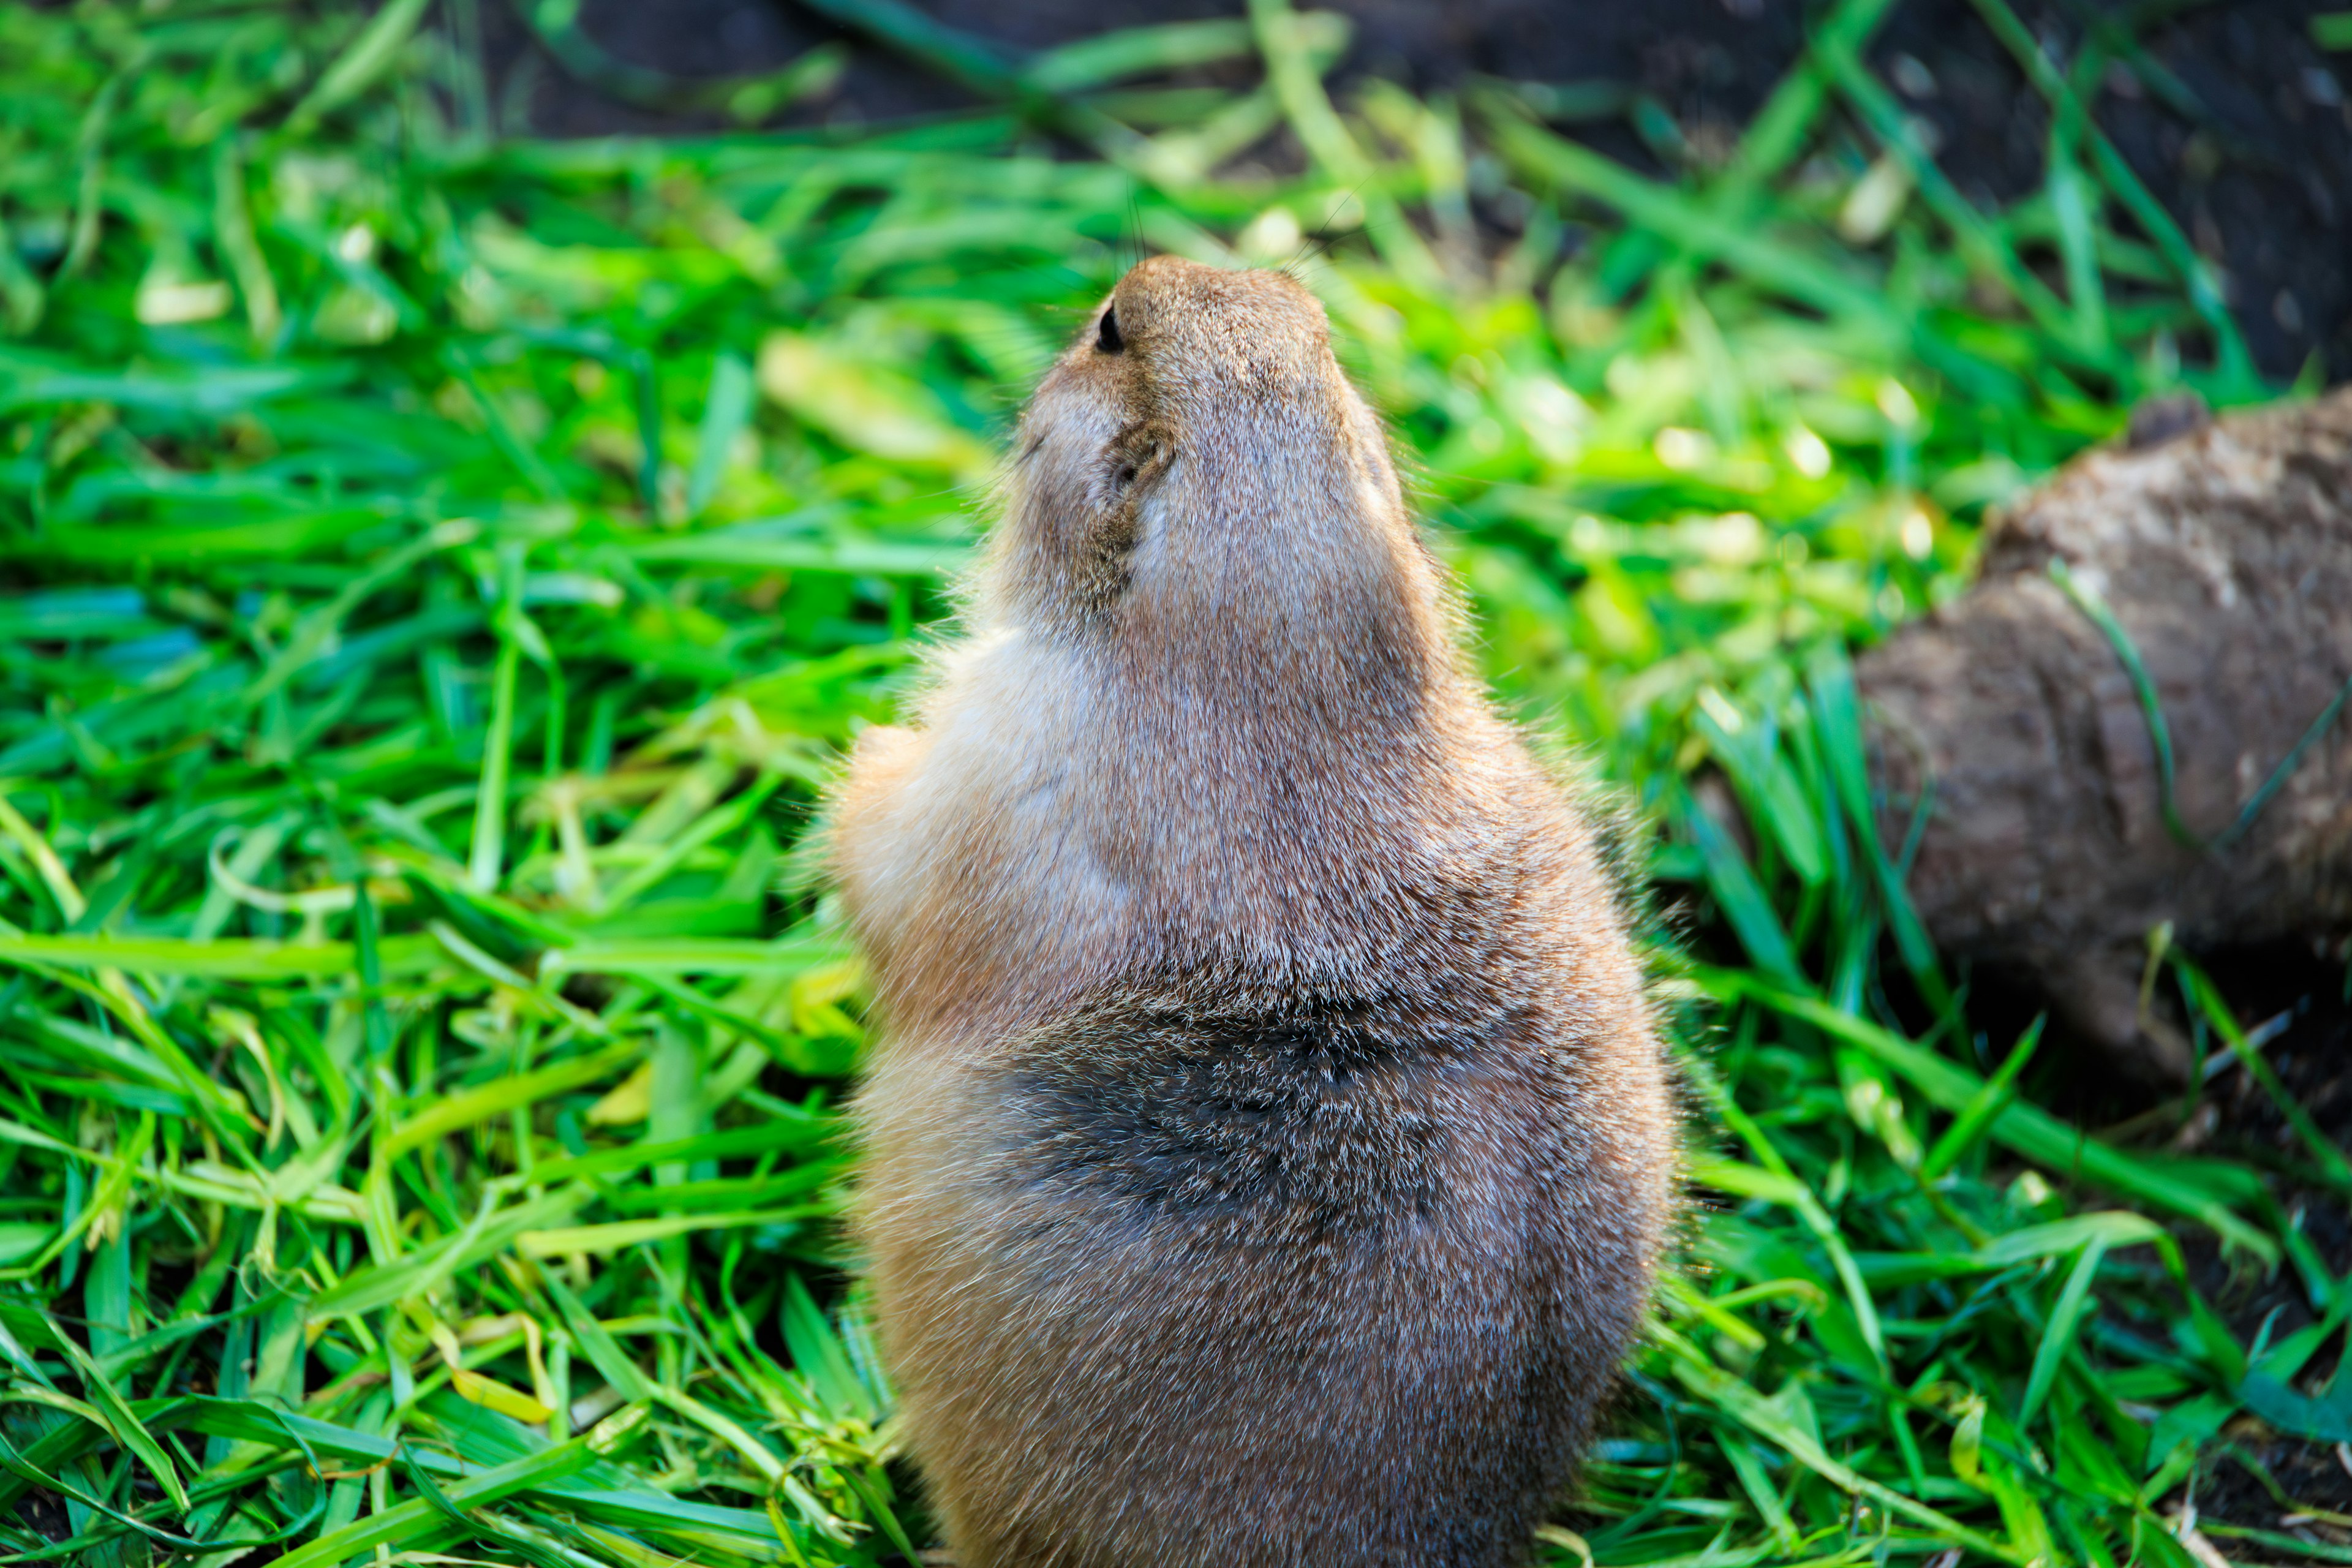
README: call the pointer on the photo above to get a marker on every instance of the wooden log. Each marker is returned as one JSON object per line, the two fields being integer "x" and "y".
{"x": 2222, "y": 551}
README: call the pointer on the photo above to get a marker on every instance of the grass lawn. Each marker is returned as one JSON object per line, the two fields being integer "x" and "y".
{"x": 438, "y": 571}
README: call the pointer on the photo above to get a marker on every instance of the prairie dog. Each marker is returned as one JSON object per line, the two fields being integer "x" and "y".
{"x": 1270, "y": 1144}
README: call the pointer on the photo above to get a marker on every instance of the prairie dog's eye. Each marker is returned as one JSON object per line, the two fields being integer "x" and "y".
{"x": 1106, "y": 338}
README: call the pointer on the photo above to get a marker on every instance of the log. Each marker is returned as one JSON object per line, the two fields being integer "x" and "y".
{"x": 2222, "y": 550}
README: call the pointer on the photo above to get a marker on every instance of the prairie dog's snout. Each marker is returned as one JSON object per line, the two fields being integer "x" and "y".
{"x": 1213, "y": 319}
{"x": 1269, "y": 1138}
{"x": 1198, "y": 440}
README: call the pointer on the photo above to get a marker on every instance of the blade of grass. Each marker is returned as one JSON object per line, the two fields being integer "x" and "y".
{"x": 351, "y": 72}
{"x": 2026, "y": 1130}
{"x": 2204, "y": 294}
{"x": 1971, "y": 1121}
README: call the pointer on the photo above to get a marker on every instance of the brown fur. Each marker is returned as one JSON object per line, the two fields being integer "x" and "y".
{"x": 1271, "y": 1145}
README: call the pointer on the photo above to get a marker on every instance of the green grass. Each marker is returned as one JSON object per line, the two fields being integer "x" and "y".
{"x": 440, "y": 568}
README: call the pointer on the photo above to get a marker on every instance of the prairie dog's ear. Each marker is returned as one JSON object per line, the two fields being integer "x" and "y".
{"x": 1138, "y": 455}
{"x": 1132, "y": 462}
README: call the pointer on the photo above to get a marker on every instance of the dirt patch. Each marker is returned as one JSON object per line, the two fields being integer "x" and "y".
{"x": 43, "y": 1513}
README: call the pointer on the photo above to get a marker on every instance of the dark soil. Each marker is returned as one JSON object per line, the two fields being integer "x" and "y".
{"x": 2314, "y": 1054}
{"x": 2244, "y": 132}
{"x": 44, "y": 1513}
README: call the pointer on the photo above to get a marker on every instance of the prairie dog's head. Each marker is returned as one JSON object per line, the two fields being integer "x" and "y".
{"x": 1197, "y": 469}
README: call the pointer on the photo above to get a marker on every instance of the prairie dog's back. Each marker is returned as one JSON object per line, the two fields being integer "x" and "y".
{"x": 1270, "y": 1144}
